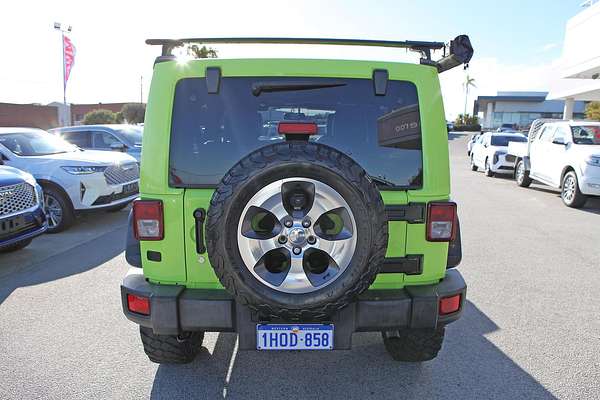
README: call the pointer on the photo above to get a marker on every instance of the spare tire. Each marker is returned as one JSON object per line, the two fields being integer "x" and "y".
{"x": 296, "y": 230}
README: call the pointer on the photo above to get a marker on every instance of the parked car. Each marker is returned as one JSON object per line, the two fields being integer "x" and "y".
{"x": 22, "y": 216}
{"x": 117, "y": 137}
{"x": 507, "y": 128}
{"x": 561, "y": 154}
{"x": 489, "y": 152}
{"x": 449, "y": 126}
{"x": 471, "y": 142}
{"x": 263, "y": 238}
{"x": 73, "y": 179}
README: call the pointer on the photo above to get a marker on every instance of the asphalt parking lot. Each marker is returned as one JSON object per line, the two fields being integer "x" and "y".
{"x": 531, "y": 327}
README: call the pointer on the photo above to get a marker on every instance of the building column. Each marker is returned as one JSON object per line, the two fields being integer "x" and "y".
{"x": 487, "y": 121}
{"x": 568, "y": 110}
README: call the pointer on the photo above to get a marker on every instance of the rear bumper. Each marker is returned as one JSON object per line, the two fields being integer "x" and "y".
{"x": 175, "y": 309}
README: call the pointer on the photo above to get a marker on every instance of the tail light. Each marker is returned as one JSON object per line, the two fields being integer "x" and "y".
{"x": 138, "y": 304}
{"x": 441, "y": 222}
{"x": 148, "y": 221}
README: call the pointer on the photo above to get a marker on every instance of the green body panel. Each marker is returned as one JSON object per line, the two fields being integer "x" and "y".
{"x": 182, "y": 265}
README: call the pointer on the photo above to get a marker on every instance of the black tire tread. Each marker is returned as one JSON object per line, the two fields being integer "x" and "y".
{"x": 168, "y": 349}
{"x": 297, "y": 152}
{"x": 415, "y": 345}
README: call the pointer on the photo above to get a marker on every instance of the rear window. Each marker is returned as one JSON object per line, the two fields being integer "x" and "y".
{"x": 504, "y": 140}
{"x": 211, "y": 132}
{"x": 589, "y": 134}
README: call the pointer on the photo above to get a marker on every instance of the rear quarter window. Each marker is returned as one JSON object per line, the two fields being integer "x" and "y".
{"x": 211, "y": 132}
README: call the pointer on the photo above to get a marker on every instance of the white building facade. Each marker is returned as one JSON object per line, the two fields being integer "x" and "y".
{"x": 580, "y": 61}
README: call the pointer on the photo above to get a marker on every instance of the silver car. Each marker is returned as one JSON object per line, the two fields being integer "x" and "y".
{"x": 116, "y": 137}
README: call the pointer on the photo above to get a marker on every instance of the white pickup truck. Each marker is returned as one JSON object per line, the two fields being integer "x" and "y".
{"x": 561, "y": 154}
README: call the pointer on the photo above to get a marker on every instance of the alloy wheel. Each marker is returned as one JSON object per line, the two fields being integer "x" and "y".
{"x": 569, "y": 186}
{"x": 54, "y": 211}
{"x": 520, "y": 172}
{"x": 297, "y": 235}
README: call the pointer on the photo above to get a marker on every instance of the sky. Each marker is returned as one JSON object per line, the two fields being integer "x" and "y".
{"x": 517, "y": 43}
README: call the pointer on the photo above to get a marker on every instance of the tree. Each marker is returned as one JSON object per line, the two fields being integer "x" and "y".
{"x": 592, "y": 111}
{"x": 99, "y": 116}
{"x": 133, "y": 113}
{"x": 469, "y": 82}
{"x": 203, "y": 52}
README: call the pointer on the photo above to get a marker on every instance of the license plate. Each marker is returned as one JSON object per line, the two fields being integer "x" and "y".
{"x": 130, "y": 187}
{"x": 294, "y": 337}
{"x": 11, "y": 225}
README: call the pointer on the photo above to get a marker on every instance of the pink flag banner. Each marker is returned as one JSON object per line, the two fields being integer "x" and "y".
{"x": 69, "y": 57}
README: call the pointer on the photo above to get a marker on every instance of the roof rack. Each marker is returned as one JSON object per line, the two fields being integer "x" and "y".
{"x": 458, "y": 51}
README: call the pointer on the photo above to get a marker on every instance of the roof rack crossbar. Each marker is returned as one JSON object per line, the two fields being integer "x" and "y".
{"x": 460, "y": 50}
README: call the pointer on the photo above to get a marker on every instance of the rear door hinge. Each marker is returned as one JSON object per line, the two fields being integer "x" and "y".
{"x": 413, "y": 213}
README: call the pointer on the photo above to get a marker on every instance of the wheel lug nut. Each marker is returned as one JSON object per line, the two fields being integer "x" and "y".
{"x": 297, "y": 250}
{"x": 306, "y": 223}
{"x": 288, "y": 223}
{"x": 282, "y": 239}
{"x": 311, "y": 239}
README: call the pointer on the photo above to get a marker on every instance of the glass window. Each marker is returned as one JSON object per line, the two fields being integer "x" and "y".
{"x": 132, "y": 134}
{"x": 504, "y": 140}
{"x": 35, "y": 143}
{"x": 103, "y": 140}
{"x": 81, "y": 139}
{"x": 211, "y": 132}
{"x": 547, "y": 133}
{"x": 589, "y": 134}
{"x": 560, "y": 134}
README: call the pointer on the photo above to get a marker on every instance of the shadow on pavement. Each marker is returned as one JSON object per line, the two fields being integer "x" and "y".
{"x": 469, "y": 366}
{"x": 81, "y": 258}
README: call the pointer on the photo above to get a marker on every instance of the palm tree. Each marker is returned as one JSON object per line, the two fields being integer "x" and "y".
{"x": 469, "y": 82}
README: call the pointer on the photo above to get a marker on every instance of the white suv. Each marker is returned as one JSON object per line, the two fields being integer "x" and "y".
{"x": 72, "y": 179}
{"x": 489, "y": 152}
{"x": 562, "y": 154}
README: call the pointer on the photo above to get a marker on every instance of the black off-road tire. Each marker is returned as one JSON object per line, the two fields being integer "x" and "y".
{"x": 16, "y": 246}
{"x": 285, "y": 160}
{"x": 414, "y": 345}
{"x": 522, "y": 180}
{"x": 171, "y": 349}
{"x": 579, "y": 199}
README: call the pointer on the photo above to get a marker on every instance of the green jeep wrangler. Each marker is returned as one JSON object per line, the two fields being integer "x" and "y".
{"x": 295, "y": 202}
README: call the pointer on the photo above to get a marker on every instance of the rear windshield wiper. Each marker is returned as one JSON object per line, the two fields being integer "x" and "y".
{"x": 260, "y": 87}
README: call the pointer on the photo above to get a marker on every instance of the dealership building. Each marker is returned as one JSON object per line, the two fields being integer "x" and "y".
{"x": 579, "y": 70}
{"x": 521, "y": 108}
{"x": 577, "y": 80}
